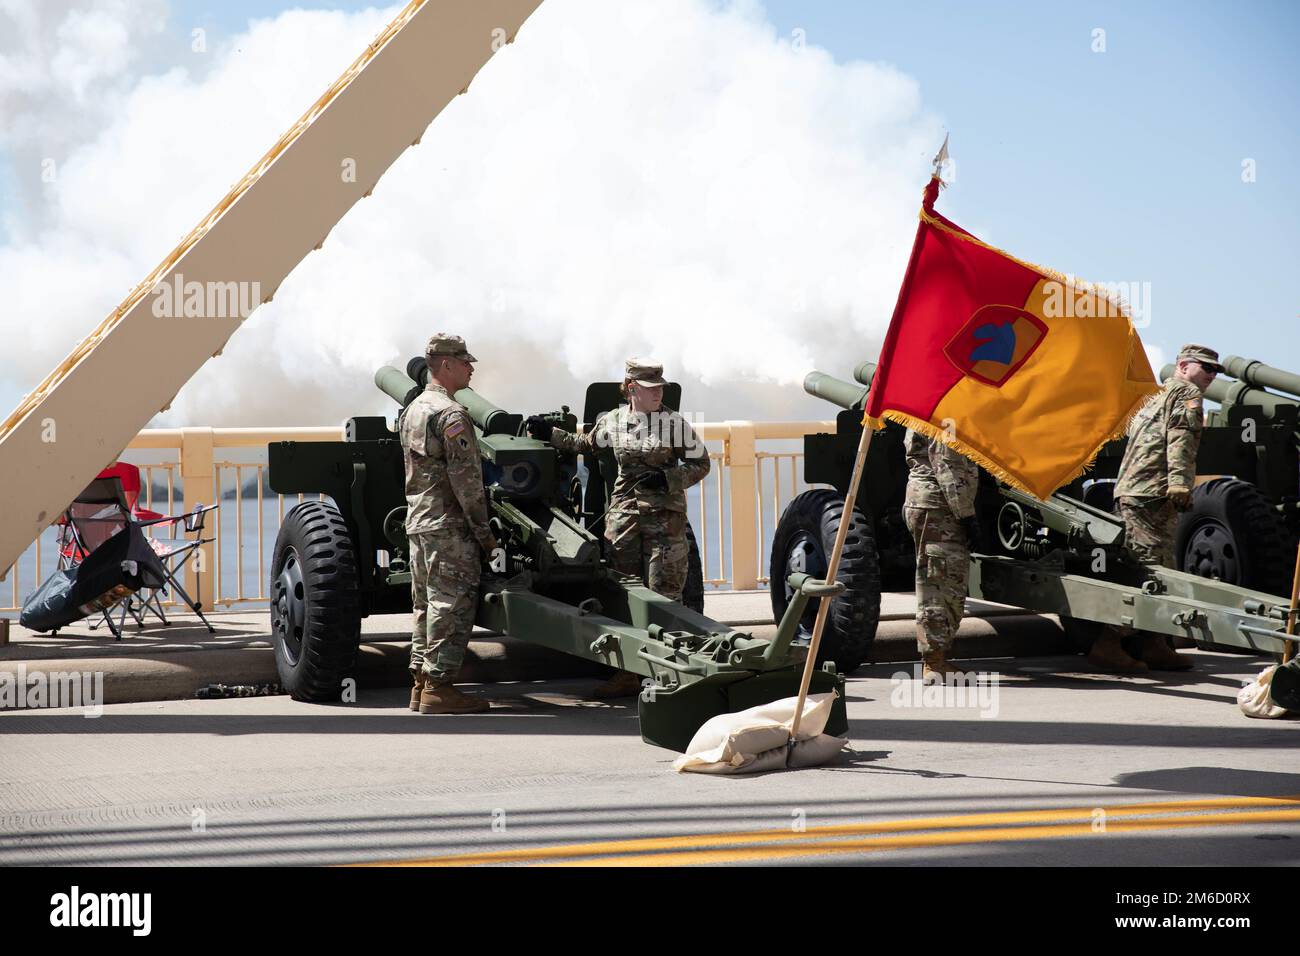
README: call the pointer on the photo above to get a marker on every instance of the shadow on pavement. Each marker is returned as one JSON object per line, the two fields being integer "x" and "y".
{"x": 1225, "y": 780}
{"x": 421, "y": 833}
{"x": 1073, "y": 673}
{"x": 1259, "y": 735}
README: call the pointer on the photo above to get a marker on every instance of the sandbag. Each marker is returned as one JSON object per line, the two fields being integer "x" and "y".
{"x": 1254, "y": 700}
{"x": 1284, "y": 688}
{"x": 757, "y": 739}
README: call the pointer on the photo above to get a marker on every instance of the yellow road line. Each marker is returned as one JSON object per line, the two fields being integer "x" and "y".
{"x": 683, "y": 845}
{"x": 754, "y": 854}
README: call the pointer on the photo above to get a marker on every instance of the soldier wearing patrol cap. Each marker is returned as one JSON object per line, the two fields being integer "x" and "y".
{"x": 659, "y": 456}
{"x": 447, "y": 526}
{"x": 1155, "y": 483}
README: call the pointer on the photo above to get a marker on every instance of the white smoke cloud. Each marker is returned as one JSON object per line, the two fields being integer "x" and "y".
{"x": 64, "y": 67}
{"x": 667, "y": 178}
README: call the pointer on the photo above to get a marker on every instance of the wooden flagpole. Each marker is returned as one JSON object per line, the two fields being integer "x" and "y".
{"x": 859, "y": 464}
{"x": 1289, "y": 648}
{"x": 832, "y": 569}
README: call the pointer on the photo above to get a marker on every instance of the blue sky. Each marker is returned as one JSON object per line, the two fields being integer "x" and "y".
{"x": 1121, "y": 166}
{"x": 1117, "y": 166}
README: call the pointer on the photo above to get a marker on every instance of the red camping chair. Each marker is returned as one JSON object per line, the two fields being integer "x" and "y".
{"x": 107, "y": 505}
{"x": 128, "y": 475}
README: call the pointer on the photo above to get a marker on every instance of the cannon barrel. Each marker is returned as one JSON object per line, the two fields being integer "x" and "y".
{"x": 401, "y": 387}
{"x": 394, "y": 383}
{"x": 834, "y": 390}
{"x": 864, "y": 373}
{"x": 1227, "y": 392}
{"x": 1263, "y": 376}
{"x": 491, "y": 419}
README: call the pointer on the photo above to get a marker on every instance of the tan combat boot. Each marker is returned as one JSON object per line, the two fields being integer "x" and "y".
{"x": 1108, "y": 655}
{"x": 935, "y": 666}
{"x": 418, "y": 677}
{"x": 1159, "y": 656}
{"x": 441, "y": 697}
{"x": 622, "y": 684}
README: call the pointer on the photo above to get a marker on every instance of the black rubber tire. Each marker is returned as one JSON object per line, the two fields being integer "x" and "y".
{"x": 810, "y": 522}
{"x": 1233, "y": 534}
{"x": 693, "y": 590}
{"x": 314, "y": 662}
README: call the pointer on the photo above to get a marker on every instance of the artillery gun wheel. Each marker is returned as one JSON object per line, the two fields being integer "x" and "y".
{"x": 1232, "y": 534}
{"x": 315, "y": 608}
{"x": 693, "y": 592}
{"x": 803, "y": 542}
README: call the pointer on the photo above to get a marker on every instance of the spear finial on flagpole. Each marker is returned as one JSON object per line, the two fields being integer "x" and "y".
{"x": 940, "y": 160}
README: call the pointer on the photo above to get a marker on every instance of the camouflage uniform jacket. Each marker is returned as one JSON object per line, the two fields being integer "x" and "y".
{"x": 641, "y": 443}
{"x": 1162, "y": 442}
{"x": 939, "y": 477}
{"x": 444, "y": 476}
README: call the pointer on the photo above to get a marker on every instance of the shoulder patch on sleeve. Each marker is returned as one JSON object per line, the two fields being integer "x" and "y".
{"x": 455, "y": 427}
{"x": 1193, "y": 403}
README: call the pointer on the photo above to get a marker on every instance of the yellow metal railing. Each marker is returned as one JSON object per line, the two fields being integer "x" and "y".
{"x": 734, "y": 511}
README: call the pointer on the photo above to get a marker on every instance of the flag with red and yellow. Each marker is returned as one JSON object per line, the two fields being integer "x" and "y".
{"x": 1026, "y": 371}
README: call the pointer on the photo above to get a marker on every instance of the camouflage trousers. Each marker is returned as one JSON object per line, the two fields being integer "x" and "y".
{"x": 444, "y": 596}
{"x": 650, "y": 546}
{"x": 1149, "y": 527}
{"x": 942, "y": 575}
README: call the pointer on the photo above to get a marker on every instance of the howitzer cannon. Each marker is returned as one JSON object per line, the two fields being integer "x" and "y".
{"x": 1244, "y": 520}
{"x": 1064, "y": 555}
{"x": 878, "y": 549}
{"x": 339, "y": 560}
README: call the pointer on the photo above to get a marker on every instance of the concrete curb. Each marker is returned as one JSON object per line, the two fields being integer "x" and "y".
{"x": 177, "y": 675}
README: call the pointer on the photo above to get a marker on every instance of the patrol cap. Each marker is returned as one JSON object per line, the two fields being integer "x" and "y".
{"x": 443, "y": 343}
{"x": 645, "y": 372}
{"x": 1199, "y": 353}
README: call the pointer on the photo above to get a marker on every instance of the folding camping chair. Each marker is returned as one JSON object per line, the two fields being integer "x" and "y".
{"x": 110, "y": 505}
{"x": 173, "y": 555}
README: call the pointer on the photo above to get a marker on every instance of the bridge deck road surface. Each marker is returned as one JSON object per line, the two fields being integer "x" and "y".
{"x": 1063, "y": 766}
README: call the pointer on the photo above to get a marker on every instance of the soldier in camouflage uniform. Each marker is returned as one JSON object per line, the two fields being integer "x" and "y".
{"x": 447, "y": 526}
{"x": 940, "y": 512}
{"x": 1155, "y": 483}
{"x": 659, "y": 456}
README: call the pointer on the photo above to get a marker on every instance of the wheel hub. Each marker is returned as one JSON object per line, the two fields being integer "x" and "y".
{"x": 1212, "y": 553}
{"x": 289, "y": 605}
{"x": 804, "y": 556}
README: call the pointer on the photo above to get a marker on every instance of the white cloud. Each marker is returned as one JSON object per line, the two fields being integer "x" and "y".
{"x": 706, "y": 194}
{"x": 64, "y": 66}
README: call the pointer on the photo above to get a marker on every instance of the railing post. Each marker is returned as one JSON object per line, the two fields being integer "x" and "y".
{"x": 740, "y": 463}
{"x": 199, "y": 489}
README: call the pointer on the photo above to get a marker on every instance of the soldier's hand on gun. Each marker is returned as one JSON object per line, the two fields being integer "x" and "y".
{"x": 539, "y": 427}
{"x": 1181, "y": 497}
{"x": 489, "y": 547}
{"x": 652, "y": 480}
